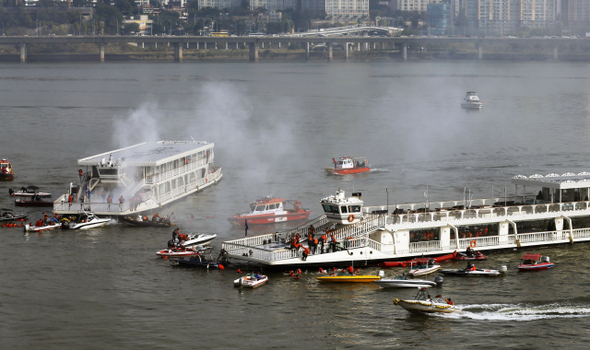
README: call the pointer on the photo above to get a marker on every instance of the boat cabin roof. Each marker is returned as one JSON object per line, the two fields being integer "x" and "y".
{"x": 556, "y": 181}
{"x": 269, "y": 200}
{"x": 531, "y": 256}
{"x": 148, "y": 153}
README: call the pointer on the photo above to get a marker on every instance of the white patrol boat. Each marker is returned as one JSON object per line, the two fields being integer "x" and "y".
{"x": 557, "y": 211}
{"x": 139, "y": 178}
{"x": 471, "y": 101}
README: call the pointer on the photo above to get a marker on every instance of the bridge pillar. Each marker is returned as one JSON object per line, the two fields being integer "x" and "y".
{"x": 101, "y": 51}
{"x": 555, "y": 53}
{"x": 177, "y": 52}
{"x": 330, "y": 49}
{"x": 143, "y": 45}
{"x": 346, "y": 50}
{"x": 479, "y": 52}
{"x": 226, "y": 45}
{"x": 307, "y": 50}
{"x": 155, "y": 45}
{"x": 405, "y": 51}
{"x": 253, "y": 52}
{"x": 23, "y": 52}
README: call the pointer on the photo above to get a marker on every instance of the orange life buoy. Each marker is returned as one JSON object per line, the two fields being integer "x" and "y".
{"x": 473, "y": 243}
{"x": 350, "y": 218}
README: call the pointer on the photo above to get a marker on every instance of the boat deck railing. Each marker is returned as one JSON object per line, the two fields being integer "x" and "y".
{"x": 264, "y": 248}
{"x": 486, "y": 212}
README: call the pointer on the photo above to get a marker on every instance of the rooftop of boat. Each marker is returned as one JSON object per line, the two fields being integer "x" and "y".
{"x": 145, "y": 154}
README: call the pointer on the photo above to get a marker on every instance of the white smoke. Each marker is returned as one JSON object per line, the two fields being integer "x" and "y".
{"x": 141, "y": 125}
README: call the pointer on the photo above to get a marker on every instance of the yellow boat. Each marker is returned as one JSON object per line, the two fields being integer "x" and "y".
{"x": 349, "y": 278}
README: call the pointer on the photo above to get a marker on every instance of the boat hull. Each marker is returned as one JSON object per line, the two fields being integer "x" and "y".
{"x": 27, "y": 203}
{"x": 90, "y": 225}
{"x": 31, "y": 228}
{"x": 426, "y": 271}
{"x": 535, "y": 267}
{"x": 171, "y": 253}
{"x": 348, "y": 171}
{"x": 421, "y": 306}
{"x": 478, "y": 272}
{"x": 400, "y": 283}
{"x": 240, "y": 220}
{"x": 201, "y": 239}
{"x": 250, "y": 282}
{"x": 133, "y": 222}
{"x": 349, "y": 279}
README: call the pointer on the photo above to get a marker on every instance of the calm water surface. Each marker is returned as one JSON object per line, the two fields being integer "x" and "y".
{"x": 275, "y": 127}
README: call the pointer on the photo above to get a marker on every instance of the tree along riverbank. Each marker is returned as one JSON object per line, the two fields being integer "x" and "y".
{"x": 577, "y": 51}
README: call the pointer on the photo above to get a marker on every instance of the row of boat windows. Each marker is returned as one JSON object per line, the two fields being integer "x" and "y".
{"x": 475, "y": 231}
{"x": 265, "y": 207}
{"x": 177, "y": 163}
{"x": 173, "y": 184}
{"x": 333, "y": 209}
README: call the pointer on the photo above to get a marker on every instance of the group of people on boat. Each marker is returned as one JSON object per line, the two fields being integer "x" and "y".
{"x": 313, "y": 242}
{"x": 177, "y": 240}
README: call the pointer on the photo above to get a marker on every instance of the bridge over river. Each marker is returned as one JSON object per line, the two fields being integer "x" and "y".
{"x": 347, "y": 43}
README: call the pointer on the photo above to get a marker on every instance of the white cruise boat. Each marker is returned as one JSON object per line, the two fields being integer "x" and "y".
{"x": 471, "y": 101}
{"x": 556, "y": 211}
{"x": 139, "y": 178}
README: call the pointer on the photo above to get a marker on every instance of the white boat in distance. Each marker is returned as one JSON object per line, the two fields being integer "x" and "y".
{"x": 402, "y": 282}
{"x": 139, "y": 179}
{"x": 423, "y": 303}
{"x": 544, "y": 210}
{"x": 471, "y": 101}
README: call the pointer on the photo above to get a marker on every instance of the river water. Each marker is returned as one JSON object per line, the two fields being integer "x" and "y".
{"x": 276, "y": 125}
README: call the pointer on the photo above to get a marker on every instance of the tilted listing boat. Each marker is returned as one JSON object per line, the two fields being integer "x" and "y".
{"x": 140, "y": 179}
{"x": 348, "y": 165}
{"x": 423, "y": 266}
{"x": 423, "y": 303}
{"x": 180, "y": 252}
{"x": 270, "y": 210}
{"x": 534, "y": 262}
{"x": 251, "y": 281}
{"x": 202, "y": 260}
{"x": 6, "y": 173}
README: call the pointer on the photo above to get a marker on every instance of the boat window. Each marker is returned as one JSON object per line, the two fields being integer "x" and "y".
{"x": 355, "y": 208}
{"x": 330, "y": 208}
{"x": 272, "y": 206}
{"x": 259, "y": 208}
{"x": 108, "y": 171}
{"x": 344, "y": 209}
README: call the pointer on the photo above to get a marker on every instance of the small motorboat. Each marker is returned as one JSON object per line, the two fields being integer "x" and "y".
{"x": 85, "y": 221}
{"x": 198, "y": 239}
{"x": 349, "y": 165}
{"x": 202, "y": 260}
{"x": 534, "y": 262}
{"x": 250, "y": 281}
{"x": 423, "y": 303}
{"x": 423, "y": 266}
{"x": 178, "y": 252}
{"x": 471, "y": 270}
{"x": 6, "y": 173}
{"x": 29, "y": 191}
{"x": 144, "y": 221}
{"x": 470, "y": 254}
{"x": 43, "y": 227}
{"x": 471, "y": 101}
{"x": 348, "y": 278}
{"x": 32, "y": 203}
{"x": 403, "y": 282}
{"x": 270, "y": 210}
{"x": 7, "y": 214}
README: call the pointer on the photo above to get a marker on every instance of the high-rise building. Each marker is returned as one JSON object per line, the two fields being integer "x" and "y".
{"x": 346, "y": 9}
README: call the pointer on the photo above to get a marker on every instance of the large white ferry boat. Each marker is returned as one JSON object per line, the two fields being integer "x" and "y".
{"x": 558, "y": 212}
{"x": 140, "y": 178}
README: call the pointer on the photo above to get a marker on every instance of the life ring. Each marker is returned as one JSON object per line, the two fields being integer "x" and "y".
{"x": 473, "y": 243}
{"x": 350, "y": 218}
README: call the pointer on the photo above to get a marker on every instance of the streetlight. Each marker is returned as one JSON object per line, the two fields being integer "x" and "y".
{"x": 170, "y": 22}
{"x": 117, "y": 26}
{"x": 37, "y": 27}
